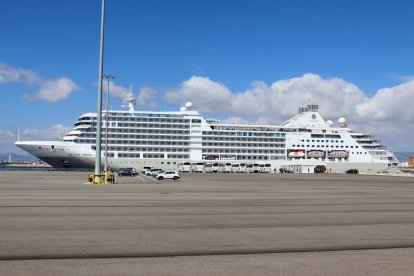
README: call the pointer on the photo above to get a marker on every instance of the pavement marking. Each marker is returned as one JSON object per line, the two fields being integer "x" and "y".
{"x": 150, "y": 177}
{"x": 141, "y": 178}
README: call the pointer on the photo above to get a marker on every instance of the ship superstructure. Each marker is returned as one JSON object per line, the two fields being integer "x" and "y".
{"x": 164, "y": 139}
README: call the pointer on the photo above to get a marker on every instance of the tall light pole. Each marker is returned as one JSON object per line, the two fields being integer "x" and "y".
{"x": 107, "y": 77}
{"x": 99, "y": 113}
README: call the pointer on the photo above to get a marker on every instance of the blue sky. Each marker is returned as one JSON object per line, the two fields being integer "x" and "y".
{"x": 174, "y": 51}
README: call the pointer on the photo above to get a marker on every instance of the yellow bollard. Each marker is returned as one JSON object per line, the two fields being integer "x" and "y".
{"x": 105, "y": 178}
{"x": 98, "y": 179}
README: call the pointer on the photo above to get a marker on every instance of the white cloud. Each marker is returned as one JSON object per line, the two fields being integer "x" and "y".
{"x": 235, "y": 120}
{"x": 115, "y": 90}
{"x": 9, "y": 136}
{"x": 52, "y": 133}
{"x": 51, "y": 90}
{"x": 54, "y": 90}
{"x": 17, "y": 75}
{"x": 274, "y": 103}
{"x": 402, "y": 78}
{"x": 148, "y": 98}
{"x": 206, "y": 95}
{"x": 49, "y": 134}
{"x": 393, "y": 104}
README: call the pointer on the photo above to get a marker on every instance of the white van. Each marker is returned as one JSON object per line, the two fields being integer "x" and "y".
{"x": 208, "y": 167}
{"x": 242, "y": 168}
{"x": 199, "y": 167}
{"x": 249, "y": 167}
{"x": 235, "y": 167}
{"x": 267, "y": 168}
{"x": 227, "y": 168}
{"x": 261, "y": 168}
{"x": 184, "y": 167}
{"x": 193, "y": 167}
{"x": 215, "y": 167}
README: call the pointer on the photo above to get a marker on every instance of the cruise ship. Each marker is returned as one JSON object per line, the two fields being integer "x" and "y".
{"x": 164, "y": 139}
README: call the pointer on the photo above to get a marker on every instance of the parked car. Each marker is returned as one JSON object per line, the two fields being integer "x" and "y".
{"x": 352, "y": 171}
{"x": 156, "y": 173}
{"x": 151, "y": 172}
{"x": 168, "y": 175}
{"x": 127, "y": 172}
{"x": 144, "y": 169}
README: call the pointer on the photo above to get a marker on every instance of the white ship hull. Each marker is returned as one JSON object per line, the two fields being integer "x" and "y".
{"x": 72, "y": 155}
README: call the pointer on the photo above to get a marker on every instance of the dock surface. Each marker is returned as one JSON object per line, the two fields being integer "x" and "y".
{"x": 51, "y": 223}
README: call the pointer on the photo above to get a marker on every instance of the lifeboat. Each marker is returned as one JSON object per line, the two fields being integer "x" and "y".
{"x": 297, "y": 153}
{"x": 338, "y": 153}
{"x": 228, "y": 157}
{"x": 316, "y": 154}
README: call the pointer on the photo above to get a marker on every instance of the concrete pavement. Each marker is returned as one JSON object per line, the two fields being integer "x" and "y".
{"x": 206, "y": 224}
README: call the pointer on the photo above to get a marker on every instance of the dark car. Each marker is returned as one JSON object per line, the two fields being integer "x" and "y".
{"x": 127, "y": 172}
{"x": 352, "y": 171}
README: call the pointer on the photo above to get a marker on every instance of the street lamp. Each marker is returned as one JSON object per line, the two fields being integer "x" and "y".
{"x": 98, "y": 176}
{"x": 107, "y": 77}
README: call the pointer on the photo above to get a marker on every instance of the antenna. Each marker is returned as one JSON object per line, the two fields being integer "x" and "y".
{"x": 129, "y": 100}
{"x": 18, "y": 134}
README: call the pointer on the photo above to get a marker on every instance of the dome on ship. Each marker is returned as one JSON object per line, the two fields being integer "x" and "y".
{"x": 341, "y": 120}
{"x": 188, "y": 105}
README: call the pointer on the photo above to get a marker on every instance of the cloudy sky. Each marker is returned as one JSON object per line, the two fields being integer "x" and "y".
{"x": 235, "y": 60}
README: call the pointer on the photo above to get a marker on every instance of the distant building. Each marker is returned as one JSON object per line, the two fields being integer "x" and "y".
{"x": 403, "y": 164}
{"x": 411, "y": 161}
